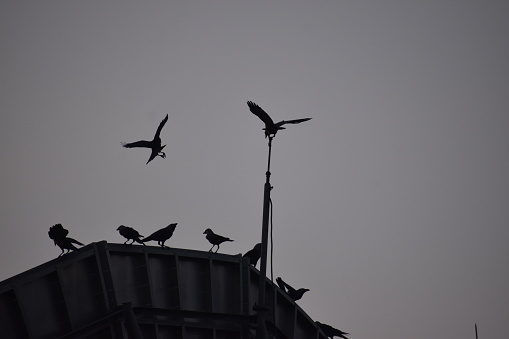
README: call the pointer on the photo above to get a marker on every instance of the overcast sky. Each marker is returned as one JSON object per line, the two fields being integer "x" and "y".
{"x": 390, "y": 205}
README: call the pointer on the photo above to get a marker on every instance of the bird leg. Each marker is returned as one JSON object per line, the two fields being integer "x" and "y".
{"x": 162, "y": 155}
{"x": 217, "y": 249}
{"x": 211, "y": 248}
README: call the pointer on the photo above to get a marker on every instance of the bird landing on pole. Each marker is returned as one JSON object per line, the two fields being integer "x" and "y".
{"x": 271, "y": 128}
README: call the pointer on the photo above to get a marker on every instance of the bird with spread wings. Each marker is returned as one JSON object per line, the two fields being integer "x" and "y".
{"x": 271, "y": 128}
{"x": 154, "y": 144}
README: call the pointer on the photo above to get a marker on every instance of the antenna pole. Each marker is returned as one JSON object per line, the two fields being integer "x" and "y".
{"x": 476, "y": 337}
{"x": 262, "y": 308}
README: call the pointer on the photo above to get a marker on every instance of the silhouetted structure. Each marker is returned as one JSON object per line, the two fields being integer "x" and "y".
{"x": 215, "y": 239}
{"x": 154, "y": 144}
{"x": 59, "y": 235}
{"x": 130, "y": 234}
{"x": 331, "y": 332}
{"x": 162, "y": 235}
{"x": 117, "y": 291}
{"x": 271, "y": 128}
{"x": 292, "y": 292}
{"x": 254, "y": 254}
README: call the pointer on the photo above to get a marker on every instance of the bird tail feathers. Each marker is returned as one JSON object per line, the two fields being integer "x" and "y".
{"x": 74, "y": 241}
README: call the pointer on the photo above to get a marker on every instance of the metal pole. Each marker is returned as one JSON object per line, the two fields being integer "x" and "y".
{"x": 476, "y": 337}
{"x": 262, "y": 308}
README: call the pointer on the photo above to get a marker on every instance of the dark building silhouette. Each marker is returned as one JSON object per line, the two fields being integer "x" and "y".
{"x": 121, "y": 291}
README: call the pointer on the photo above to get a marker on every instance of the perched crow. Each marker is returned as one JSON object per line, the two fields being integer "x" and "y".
{"x": 162, "y": 235}
{"x": 292, "y": 292}
{"x": 271, "y": 128}
{"x": 254, "y": 254}
{"x": 330, "y": 331}
{"x": 59, "y": 235}
{"x": 154, "y": 145}
{"x": 67, "y": 243}
{"x": 130, "y": 234}
{"x": 215, "y": 239}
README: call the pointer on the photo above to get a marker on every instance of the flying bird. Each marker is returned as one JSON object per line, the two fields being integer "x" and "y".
{"x": 254, "y": 254}
{"x": 161, "y": 235}
{"x": 330, "y": 331}
{"x": 130, "y": 234}
{"x": 154, "y": 145}
{"x": 292, "y": 292}
{"x": 59, "y": 235}
{"x": 271, "y": 128}
{"x": 215, "y": 239}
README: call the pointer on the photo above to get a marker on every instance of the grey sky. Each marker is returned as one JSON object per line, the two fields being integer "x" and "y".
{"x": 391, "y": 205}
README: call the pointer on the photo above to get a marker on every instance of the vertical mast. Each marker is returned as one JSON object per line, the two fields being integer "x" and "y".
{"x": 261, "y": 333}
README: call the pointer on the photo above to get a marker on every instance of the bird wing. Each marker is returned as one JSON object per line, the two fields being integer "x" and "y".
{"x": 130, "y": 233}
{"x": 221, "y": 239}
{"x": 161, "y": 125}
{"x": 141, "y": 143}
{"x": 152, "y": 156}
{"x": 260, "y": 113}
{"x": 296, "y": 121}
{"x": 290, "y": 289}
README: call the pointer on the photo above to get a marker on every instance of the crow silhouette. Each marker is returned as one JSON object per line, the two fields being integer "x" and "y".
{"x": 154, "y": 145}
{"x": 130, "y": 234}
{"x": 215, "y": 239}
{"x": 292, "y": 292}
{"x": 271, "y": 128}
{"x": 254, "y": 254}
{"x": 57, "y": 231}
{"x": 330, "y": 331}
{"x": 161, "y": 235}
{"x": 59, "y": 235}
